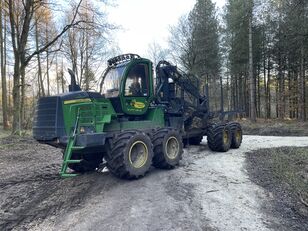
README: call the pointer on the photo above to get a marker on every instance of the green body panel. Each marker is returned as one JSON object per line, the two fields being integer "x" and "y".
{"x": 133, "y": 105}
{"x": 94, "y": 114}
{"x": 153, "y": 119}
{"x": 100, "y": 115}
{"x": 156, "y": 115}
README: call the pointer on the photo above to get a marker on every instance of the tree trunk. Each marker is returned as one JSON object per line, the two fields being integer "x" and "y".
{"x": 265, "y": 86}
{"x": 301, "y": 88}
{"x": 62, "y": 77}
{"x": 228, "y": 97}
{"x": 221, "y": 94}
{"x": 291, "y": 95}
{"x": 259, "y": 95}
{"x": 16, "y": 95}
{"x": 252, "y": 105}
{"x": 269, "y": 108}
{"x": 3, "y": 69}
{"x": 23, "y": 91}
{"x": 57, "y": 75}
{"x": 280, "y": 90}
{"x": 47, "y": 72}
{"x": 47, "y": 60}
{"x": 277, "y": 98}
{"x": 39, "y": 75}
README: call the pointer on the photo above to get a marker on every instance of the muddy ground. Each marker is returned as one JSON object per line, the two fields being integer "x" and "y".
{"x": 283, "y": 172}
{"x": 208, "y": 191}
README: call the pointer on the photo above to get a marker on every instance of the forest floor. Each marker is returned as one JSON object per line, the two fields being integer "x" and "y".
{"x": 208, "y": 191}
{"x": 275, "y": 127}
{"x": 283, "y": 172}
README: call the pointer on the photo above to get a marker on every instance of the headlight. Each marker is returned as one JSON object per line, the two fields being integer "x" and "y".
{"x": 84, "y": 129}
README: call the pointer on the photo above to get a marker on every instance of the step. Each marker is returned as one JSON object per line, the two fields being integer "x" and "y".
{"x": 77, "y": 147}
{"x": 72, "y": 161}
{"x": 68, "y": 174}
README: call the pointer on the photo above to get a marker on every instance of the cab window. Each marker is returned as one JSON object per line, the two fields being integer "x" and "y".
{"x": 112, "y": 81}
{"x": 137, "y": 81}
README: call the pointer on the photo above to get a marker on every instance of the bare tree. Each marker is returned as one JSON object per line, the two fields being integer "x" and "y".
{"x": 182, "y": 46}
{"x": 252, "y": 89}
{"x": 20, "y": 17}
{"x": 156, "y": 53}
{"x": 85, "y": 45}
{"x": 3, "y": 66}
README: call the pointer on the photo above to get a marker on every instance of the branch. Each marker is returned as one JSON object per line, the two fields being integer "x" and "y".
{"x": 301, "y": 199}
{"x": 66, "y": 28}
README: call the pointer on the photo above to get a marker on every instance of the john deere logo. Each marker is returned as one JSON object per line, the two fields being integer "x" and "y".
{"x": 138, "y": 105}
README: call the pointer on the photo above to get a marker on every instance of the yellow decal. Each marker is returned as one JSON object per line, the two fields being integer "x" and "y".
{"x": 77, "y": 101}
{"x": 138, "y": 105}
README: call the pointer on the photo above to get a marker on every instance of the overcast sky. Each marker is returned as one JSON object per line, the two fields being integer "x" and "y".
{"x": 145, "y": 21}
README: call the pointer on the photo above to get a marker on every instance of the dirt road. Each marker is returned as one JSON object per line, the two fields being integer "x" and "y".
{"x": 208, "y": 191}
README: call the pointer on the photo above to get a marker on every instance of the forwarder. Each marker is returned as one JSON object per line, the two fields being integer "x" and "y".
{"x": 131, "y": 123}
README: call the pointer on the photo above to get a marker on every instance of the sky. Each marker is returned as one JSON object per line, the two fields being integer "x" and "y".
{"x": 144, "y": 22}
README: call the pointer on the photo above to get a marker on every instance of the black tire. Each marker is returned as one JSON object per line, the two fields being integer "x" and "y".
{"x": 219, "y": 137}
{"x": 90, "y": 161}
{"x": 195, "y": 140}
{"x": 237, "y": 134}
{"x": 121, "y": 156}
{"x": 165, "y": 139}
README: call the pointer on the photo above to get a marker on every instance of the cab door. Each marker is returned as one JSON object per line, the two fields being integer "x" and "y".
{"x": 137, "y": 88}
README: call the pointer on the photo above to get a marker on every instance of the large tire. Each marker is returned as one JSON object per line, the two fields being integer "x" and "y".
{"x": 168, "y": 148}
{"x": 130, "y": 154}
{"x": 219, "y": 137}
{"x": 237, "y": 134}
{"x": 90, "y": 161}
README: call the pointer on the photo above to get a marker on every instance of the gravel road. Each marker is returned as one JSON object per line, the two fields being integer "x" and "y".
{"x": 208, "y": 191}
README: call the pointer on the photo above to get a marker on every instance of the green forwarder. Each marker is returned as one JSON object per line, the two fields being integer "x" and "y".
{"x": 131, "y": 124}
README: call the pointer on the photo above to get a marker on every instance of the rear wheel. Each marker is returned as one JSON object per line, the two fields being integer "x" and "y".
{"x": 237, "y": 134}
{"x": 168, "y": 148}
{"x": 130, "y": 154}
{"x": 90, "y": 161}
{"x": 219, "y": 137}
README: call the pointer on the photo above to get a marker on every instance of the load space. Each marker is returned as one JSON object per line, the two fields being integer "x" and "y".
{"x": 132, "y": 123}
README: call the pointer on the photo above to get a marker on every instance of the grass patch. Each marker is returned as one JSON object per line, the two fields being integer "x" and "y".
{"x": 274, "y": 127}
{"x": 4, "y": 134}
{"x": 290, "y": 166}
{"x": 284, "y": 173}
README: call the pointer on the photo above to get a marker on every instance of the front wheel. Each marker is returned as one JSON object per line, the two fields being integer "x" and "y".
{"x": 168, "y": 148}
{"x": 130, "y": 154}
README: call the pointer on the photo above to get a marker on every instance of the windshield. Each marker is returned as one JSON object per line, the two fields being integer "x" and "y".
{"x": 111, "y": 85}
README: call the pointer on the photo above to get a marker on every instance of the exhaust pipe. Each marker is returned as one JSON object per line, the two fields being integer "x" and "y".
{"x": 73, "y": 86}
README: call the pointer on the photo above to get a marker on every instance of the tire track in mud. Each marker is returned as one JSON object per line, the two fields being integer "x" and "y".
{"x": 189, "y": 206}
{"x": 30, "y": 186}
{"x": 41, "y": 196}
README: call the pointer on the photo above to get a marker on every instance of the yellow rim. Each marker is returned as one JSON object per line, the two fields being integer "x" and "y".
{"x": 238, "y": 135}
{"x": 226, "y": 137}
{"x": 172, "y": 147}
{"x": 138, "y": 154}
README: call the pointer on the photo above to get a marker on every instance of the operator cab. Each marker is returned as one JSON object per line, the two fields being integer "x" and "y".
{"x": 128, "y": 83}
